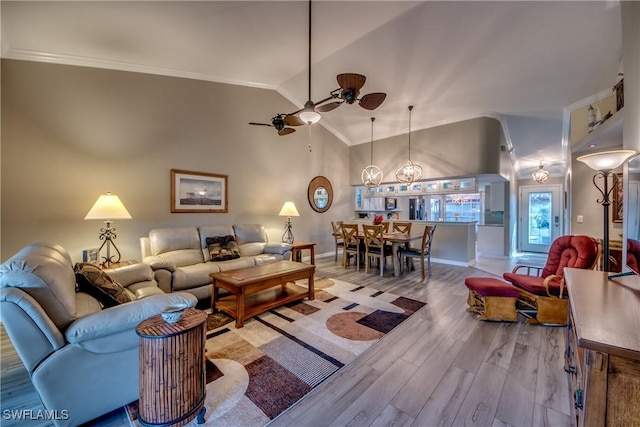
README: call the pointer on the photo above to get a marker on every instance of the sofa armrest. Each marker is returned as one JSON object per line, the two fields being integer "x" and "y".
{"x": 123, "y": 317}
{"x": 157, "y": 263}
{"x": 131, "y": 274}
{"x": 277, "y": 248}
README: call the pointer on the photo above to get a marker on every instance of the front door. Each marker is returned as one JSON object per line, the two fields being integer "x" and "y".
{"x": 540, "y": 221}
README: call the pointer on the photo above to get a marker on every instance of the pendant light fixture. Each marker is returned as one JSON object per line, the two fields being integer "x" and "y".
{"x": 372, "y": 174}
{"x": 540, "y": 175}
{"x": 411, "y": 171}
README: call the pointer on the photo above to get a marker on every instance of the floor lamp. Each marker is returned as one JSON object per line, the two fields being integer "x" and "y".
{"x": 108, "y": 207}
{"x": 604, "y": 162}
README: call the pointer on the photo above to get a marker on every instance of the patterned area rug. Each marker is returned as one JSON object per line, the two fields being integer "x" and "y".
{"x": 256, "y": 372}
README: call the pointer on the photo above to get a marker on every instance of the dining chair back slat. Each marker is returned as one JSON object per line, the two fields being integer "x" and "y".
{"x": 351, "y": 244}
{"x": 336, "y": 228}
{"x": 375, "y": 246}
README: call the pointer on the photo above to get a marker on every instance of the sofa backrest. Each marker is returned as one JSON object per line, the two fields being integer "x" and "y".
{"x": 45, "y": 272}
{"x": 179, "y": 245}
{"x": 251, "y": 238}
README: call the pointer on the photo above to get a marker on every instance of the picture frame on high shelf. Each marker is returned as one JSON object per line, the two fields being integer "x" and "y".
{"x": 198, "y": 192}
{"x": 618, "y": 202}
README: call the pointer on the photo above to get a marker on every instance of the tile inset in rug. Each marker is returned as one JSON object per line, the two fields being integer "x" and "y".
{"x": 348, "y": 325}
{"x": 382, "y": 321}
{"x": 303, "y": 308}
{"x": 410, "y": 305}
{"x": 273, "y": 388}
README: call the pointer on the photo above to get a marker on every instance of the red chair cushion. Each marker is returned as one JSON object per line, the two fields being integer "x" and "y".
{"x": 534, "y": 284}
{"x": 633, "y": 254}
{"x": 570, "y": 251}
{"x": 490, "y": 287}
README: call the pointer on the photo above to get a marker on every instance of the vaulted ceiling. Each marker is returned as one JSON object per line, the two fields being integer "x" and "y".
{"x": 521, "y": 62}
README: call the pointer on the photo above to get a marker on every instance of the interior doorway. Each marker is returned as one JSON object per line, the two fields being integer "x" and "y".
{"x": 540, "y": 219}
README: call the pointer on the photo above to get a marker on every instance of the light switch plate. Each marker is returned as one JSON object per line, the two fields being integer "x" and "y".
{"x": 580, "y": 219}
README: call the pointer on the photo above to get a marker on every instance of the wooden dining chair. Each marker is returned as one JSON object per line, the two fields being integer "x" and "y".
{"x": 351, "y": 244}
{"x": 385, "y": 226}
{"x": 402, "y": 228}
{"x": 337, "y": 235}
{"x": 423, "y": 252}
{"x": 374, "y": 246}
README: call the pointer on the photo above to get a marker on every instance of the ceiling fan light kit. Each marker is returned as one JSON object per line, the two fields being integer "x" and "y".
{"x": 411, "y": 171}
{"x": 372, "y": 174}
{"x": 540, "y": 175}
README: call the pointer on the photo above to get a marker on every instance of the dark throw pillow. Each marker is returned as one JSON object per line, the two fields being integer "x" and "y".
{"x": 223, "y": 248}
{"x": 95, "y": 282}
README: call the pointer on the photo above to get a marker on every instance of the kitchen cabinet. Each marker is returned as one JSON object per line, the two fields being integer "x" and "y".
{"x": 496, "y": 197}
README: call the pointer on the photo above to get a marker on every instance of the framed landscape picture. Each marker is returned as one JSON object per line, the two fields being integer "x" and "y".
{"x": 198, "y": 192}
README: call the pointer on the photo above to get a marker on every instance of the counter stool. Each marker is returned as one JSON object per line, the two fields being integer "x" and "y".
{"x": 492, "y": 298}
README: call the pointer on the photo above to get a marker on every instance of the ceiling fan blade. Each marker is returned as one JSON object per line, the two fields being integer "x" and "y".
{"x": 328, "y": 107}
{"x": 291, "y": 120}
{"x": 286, "y": 131}
{"x": 260, "y": 124}
{"x": 371, "y": 101}
{"x": 351, "y": 81}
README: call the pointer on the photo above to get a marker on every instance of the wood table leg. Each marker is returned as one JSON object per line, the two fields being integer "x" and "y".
{"x": 395, "y": 260}
{"x": 312, "y": 292}
{"x": 240, "y": 308}
{"x": 214, "y": 296}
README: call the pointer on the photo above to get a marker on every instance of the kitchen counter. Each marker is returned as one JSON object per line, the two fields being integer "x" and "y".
{"x": 454, "y": 242}
{"x": 491, "y": 240}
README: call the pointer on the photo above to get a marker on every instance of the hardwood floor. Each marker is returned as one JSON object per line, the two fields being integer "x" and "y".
{"x": 441, "y": 367}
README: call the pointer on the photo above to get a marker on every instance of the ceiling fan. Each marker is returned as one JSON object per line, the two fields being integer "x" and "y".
{"x": 281, "y": 121}
{"x": 349, "y": 91}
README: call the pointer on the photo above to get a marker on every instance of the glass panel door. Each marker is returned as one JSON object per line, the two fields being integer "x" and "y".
{"x": 540, "y": 219}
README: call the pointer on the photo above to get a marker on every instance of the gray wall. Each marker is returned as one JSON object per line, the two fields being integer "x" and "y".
{"x": 71, "y": 133}
{"x": 470, "y": 147}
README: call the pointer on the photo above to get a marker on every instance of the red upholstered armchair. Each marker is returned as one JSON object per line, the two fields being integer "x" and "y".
{"x": 633, "y": 255}
{"x": 543, "y": 296}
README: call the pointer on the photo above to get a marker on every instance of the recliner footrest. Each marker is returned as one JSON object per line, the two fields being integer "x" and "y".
{"x": 492, "y": 298}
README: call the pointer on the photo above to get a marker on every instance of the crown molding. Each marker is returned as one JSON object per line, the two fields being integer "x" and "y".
{"x": 83, "y": 61}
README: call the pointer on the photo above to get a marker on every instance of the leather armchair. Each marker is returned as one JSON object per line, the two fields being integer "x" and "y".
{"x": 82, "y": 359}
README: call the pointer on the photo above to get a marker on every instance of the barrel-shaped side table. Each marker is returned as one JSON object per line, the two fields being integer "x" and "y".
{"x": 172, "y": 370}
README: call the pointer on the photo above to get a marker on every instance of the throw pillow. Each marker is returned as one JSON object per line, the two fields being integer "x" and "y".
{"x": 223, "y": 248}
{"x": 95, "y": 282}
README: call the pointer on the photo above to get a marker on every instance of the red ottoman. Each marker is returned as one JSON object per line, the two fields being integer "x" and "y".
{"x": 492, "y": 298}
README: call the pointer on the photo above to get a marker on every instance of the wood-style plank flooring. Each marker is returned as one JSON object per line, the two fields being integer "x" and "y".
{"x": 441, "y": 367}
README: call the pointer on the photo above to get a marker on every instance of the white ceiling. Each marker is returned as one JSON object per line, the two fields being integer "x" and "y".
{"x": 520, "y": 62}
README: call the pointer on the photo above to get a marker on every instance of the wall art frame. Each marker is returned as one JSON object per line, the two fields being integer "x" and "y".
{"x": 198, "y": 192}
{"x": 618, "y": 202}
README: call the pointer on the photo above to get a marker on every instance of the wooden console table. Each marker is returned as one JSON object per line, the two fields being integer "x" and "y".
{"x": 172, "y": 369}
{"x": 603, "y": 348}
{"x": 255, "y": 290}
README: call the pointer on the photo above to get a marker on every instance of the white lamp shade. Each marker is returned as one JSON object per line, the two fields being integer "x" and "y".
{"x": 309, "y": 116}
{"x": 108, "y": 206}
{"x": 606, "y": 160}
{"x": 289, "y": 209}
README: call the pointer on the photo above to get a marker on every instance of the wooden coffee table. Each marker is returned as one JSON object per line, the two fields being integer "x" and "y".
{"x": 255, "y": 290}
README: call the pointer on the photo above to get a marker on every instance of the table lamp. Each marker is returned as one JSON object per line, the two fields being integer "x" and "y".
{"x": 288, "y": 210}
{"x": 108, "y": 207}
{"x": 604, "y": 162}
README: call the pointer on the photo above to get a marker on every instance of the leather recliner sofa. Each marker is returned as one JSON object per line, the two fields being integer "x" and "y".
{"x": 181, "y": 259}
{"x": 83, "y": 360}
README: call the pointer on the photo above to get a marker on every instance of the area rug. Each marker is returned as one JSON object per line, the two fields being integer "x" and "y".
{"x": 256, "y": 372}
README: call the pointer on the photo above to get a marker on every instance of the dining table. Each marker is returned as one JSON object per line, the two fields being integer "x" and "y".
{"x": 396, "y": 240}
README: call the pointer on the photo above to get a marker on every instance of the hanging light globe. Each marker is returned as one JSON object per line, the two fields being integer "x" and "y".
{"x": 411, "y": 171}
{"x": 372, "y": 174}
{"x": 540, "y": 175}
